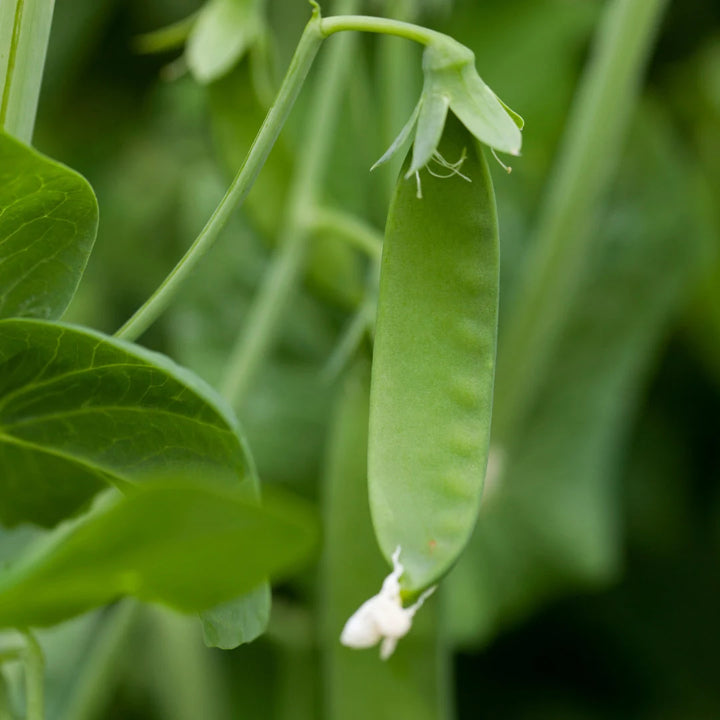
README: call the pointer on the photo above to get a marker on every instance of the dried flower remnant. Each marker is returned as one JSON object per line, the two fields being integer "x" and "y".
{"x": 382, "y": 618}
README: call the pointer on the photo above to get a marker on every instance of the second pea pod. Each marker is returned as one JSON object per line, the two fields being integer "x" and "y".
{"x": 434, "y": 360}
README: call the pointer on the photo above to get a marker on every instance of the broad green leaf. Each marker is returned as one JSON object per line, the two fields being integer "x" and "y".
{"x": 170, "y": 544}
{"x": 357, "y": 683}
{"x": 79, "y": 410}
{"x": 222, "y": 33}
{"x": 434, "y": 362}
{"x": 552, "y": 521}
{"x": 48, "y": 221}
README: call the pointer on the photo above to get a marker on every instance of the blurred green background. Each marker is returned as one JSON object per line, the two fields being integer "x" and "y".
{"x": 592, "y": 587}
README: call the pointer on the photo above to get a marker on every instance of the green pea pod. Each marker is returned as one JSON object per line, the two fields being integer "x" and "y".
{"x": 434, "y": 361}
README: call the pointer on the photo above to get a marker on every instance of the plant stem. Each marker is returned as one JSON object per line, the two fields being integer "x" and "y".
{"x": 24, "y": 34}
{"x": 34, "y": 678}
{"x": 5, "y": 711}
{"x": 559, "y": 252}
{"x": 384, "y": 26}
{"x": 292, "y": 83}
{"x": 281, "y": 278}
{"x": 353, "y": 230}
{"x": 285, "y": 268}
{"x": 97, "y": 677}
{"x": 350, "y": 340}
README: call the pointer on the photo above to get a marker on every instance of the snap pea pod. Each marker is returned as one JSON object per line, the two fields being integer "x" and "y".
{"x": 434, "y": 361}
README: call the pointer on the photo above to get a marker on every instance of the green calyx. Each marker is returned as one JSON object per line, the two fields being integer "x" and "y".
{"x": 451, "y": 82}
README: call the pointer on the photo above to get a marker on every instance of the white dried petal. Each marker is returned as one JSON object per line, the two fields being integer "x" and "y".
{"x": 382, "y": 617}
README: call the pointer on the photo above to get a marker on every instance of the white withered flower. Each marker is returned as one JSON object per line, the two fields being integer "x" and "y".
{"x": 382, "y": 617}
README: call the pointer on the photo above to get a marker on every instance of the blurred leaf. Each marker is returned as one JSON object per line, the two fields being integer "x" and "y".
{"x": 171, "y": 544}
{"x": 48, "y": 222}
{"x": 238, "y": 621}
{"x": 553, "y": 520}
{"x": 79, "y": 410}
{"x": 221, "y": 35}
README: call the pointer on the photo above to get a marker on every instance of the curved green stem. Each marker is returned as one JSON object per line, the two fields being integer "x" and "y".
{"x": 557, "y": 258}
{"x": 384, "y": 26}
{"x": 284, "y": 269}
{"x": 292, "y": 83}
{"x": 287, "y": 264}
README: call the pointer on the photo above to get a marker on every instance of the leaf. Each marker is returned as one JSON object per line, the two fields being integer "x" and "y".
{"x": 238, "y": 621}
{"x": 434, "y": 363}
{"x": 79, "y": 410}
{"x": 48, "y": 222}
{"x": 220, "y": 37}
{"x": 170, "y": 544}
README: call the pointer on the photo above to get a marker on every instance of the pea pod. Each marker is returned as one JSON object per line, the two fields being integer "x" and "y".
{"x": 434, "y": 361}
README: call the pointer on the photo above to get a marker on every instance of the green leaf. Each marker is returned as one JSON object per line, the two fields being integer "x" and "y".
{"x": 170, "y": 544}
{"x": 434, "y": 362}
{"x": 48, "y": 222}
{"x": 238, "y": 621}
{"x": 223, "y": 32}
{"x": 79, "y": 410}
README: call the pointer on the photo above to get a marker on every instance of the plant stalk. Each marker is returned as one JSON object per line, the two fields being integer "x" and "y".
{"x": 345, "y": 226}
{"x": 34, "y": 678}
{"x": 24, "y": 35}
{"x": 289, "y": 258}
{"x": 284, "y": 269}
{"x": 267, "y": 135}
{"x": 383, "y": 26}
